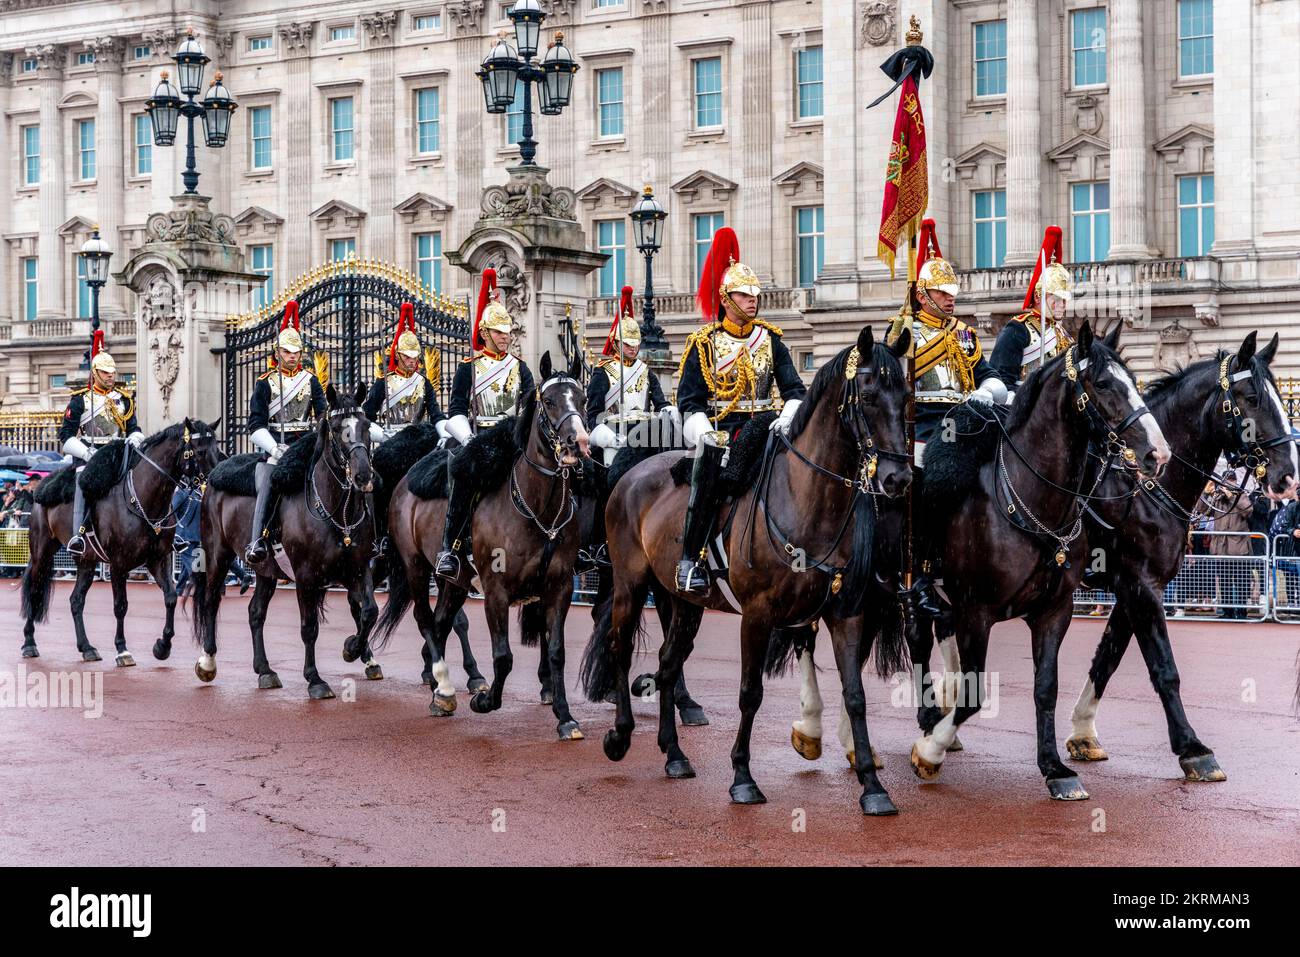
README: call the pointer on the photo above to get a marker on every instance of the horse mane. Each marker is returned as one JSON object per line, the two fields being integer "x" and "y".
{"x": 1167, "y": 387}
{"x": 524, "y": 419}
{"x": 1028, "y": 392}
{"x": 833, "y": 372}
{"x": 174, "y": 431}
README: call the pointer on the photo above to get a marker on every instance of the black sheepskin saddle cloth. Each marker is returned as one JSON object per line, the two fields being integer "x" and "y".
{"x": 398, "y": 455}
{"x": 744, "y": 461}
{"x": 482, "y": 463}
{"x": 952, "y": 469}
{"x": 630, "y": 456}
{"x": 104, "y": 470}
{"x": 234, "y": 475}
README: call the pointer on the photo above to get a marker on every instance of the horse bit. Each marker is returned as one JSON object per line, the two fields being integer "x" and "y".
{"x": 550, "y": 435}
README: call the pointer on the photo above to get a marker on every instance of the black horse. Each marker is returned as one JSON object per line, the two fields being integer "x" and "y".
{"x": 1016, "y": 543}
{"x": 133, "y": 525}
{"x": 1225, "y": 405}
{"x": 328, "y": 535}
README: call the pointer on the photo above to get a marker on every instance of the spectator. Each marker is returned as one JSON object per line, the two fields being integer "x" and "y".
{"x": 1233, "y": 510}
{"x": 1284, "y": 532}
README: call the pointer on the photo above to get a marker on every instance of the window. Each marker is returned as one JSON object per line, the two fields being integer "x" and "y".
{"x": 341, "y": 128}
{"x": 59, "y": 381}
{"x": 348, "y": 32}
{"x": 30, "y": 65}
{"x": 806, "y": 363}
{"x": 427, "y": 121}
{"x": 29, "y": 289}
{"x": 1090, "y": 217}
{"x": 85, "y": 58}
{"x": 341, "y": 249}
{"x": 810, "y": 233}
{"x": 426, "y": 21}
{"x": 601, "y": 4}
{"x": 706, "y": 224}
{"x": 808, "y": 80}
{"x": 990, "y": 228}
{"x": 428, "y": 260}
{"x": 991, "y": 58}
{"x": 708, "y": 92}
{"x": 262, "y": 261}
{"x": 515, "y": 117}
{"x": 1088, "y": 44}
{"x": 1195, "y": 37}
{"x": 609, "y": 99}
{"x": 1195, "y": 215}
{"x": 86, "y": 149}
{"x": 611, "y": 239}
{"x": 141, "y": 51}
{"x": 83, "y": 289}
{"x": 259, "y": 137}
{"x": 31, "y": 155}
{"x": 143, "y": 144}
{"x": 259, "y": 44}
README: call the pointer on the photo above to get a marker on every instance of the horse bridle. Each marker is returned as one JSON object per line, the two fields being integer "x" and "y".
{"x": 549, "y": 432}
{"x": 1102, "y": 431}
{"x": 1252, "y": 455}
{"x": 345, "y": 450}
{"x": 191, "y": 470}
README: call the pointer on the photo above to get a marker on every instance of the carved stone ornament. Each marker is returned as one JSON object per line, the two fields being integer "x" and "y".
{"x": 1087, "y": 114}
{"x": 193, "y": 224}
{"x": 467, "y": 15}
{"x": 557, "y": 10}
{"x": 296, "y": 37}
{"x": 161, "y": 42}
{"x": 1176, "y": 349}
{"x": 108, "y": 52}
{"x": 877, "y": 24}
{"x": 165, "y": 349}
{"x": 514, "y": 288}
{"x": 158, "y": 306}
{"x": 528, "y": 194}
{"x": 379, "y": 26}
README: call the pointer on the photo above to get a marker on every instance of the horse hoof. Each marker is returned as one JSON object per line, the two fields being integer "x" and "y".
{"x": 320, "y": 692}
{"x": 1066, "y": 789}
{"x": 350, "y": 651}
{"x": 808, "y": 747}
{"x": 925, "y": 770}
{"x": 616, "y": 745}
{"x": 268, "y": 680}
{"x": 374, "y": 672}
{"x": 90, "y": 655}
{"x": 478, "y": 684}
{"x": 1203, "y": 768}
{"x": 643, "y": 685}
{"x": 956, "y": 745}
{"x": 747, "y": 793}
{"x": 29, "y": 651}
{"x": 693, "y": 716}
{"x": 679, "y": 769}
{"x": 203, "y": 671}
{"x": 546, "y": 697}
{"x": 426, "y": 679}
{"x": 124, "y": 660}
{"x": 1085, "y": 748}
{"x": 877, "y": 805}
{"x": 162, "y": 650}
{"x": 442, "y": 706}
{"x": 480, "y": 702}
{"x": 569, "y": 731}
{"x": 875, "y": 760}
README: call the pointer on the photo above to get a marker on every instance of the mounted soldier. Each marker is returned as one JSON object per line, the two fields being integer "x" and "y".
{"x": 286, "y": 402}
{"x": 624, "y": 391}
{"x": 487, "y": 390}
{"x": 96, "y": 415}
{"x": 732, "y": 369}
{"x": 403, "y": 394}
{"x": 1040, "y": 333}
{"x": 949, "y": 368}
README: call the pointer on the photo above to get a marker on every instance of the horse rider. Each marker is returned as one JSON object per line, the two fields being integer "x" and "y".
{"x": 402, "y": 396}
{"x": 624, "y": 391}
{"x": 286, "y": 401}
{"x": 96, "y": 415}
{"x": 488, "y": 388}
{"x": 949, "y": 368}
{"x": 733, "y": 368}
{"x": 1040, "y": 333}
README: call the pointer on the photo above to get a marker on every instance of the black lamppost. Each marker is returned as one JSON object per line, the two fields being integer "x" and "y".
{"x": 95, "y": 254}
{"x": 505, "y": 66}
{"x": 648, "y": 217}
{"x": 168, "y": 104}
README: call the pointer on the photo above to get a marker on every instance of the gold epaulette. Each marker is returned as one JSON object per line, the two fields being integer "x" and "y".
{"x": 1025, "y": 317}
{"x": 81, "y": 391}
{"x": 771, "y": 327}
{"x": 606, "y": 361}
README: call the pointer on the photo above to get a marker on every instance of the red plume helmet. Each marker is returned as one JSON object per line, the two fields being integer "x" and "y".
{"x": 624, "y": 309}
{"x": 97, "y": 343}
{"x": 1051, "y": 252}
{"x": 485, "y": 290}
{"x": 405, "y": 321}
{"x": 724, "y": 251}
{"x": 290, "y": 316}
{"x": 928, "y": 245}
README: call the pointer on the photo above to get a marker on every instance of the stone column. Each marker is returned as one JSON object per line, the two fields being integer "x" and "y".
{"x": 381, "y": 170}
{"x": 1128, "y": 133}
{"x": 850, "y": 223}
{"x": 1236, "y": 90}
{"x": 9, "y": 173}
{"x": 49, "y": 245}
{"x": 656, "y": 141}
{"x": 109, "y": 150}
{"x": 296, "y": 195}
{"x": 471, "y": 121}
{"x": 754, "y": 212}
{"x": 1024, "y": 151}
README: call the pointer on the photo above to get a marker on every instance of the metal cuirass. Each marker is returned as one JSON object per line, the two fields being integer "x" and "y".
{"x": 496, "y": 388}
{"x": 1056, "y": 340}
{"x": 104, "y": 416}
{"x": 757, "y": 347}
{"x": 296, "y": 401}
{"x": 630, "y": 403}
{"x": 941, "y": 382}
{"x": 403, "y": 401}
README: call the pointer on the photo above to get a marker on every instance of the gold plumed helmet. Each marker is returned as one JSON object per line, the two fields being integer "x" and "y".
{"x": 408, "y": 344}
{"x": 1055, "y": 282}
{"x": 938, "y": 274}
{"x": 625, "y": 327}
{"x": 495, "y": 316}
{"x": 739, "y": 278}
{"x": 103, "y": 362}
{"x": 289, "y": 339}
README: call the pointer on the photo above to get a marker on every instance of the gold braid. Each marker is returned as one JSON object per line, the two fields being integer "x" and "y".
{"x": 725, "y": 388}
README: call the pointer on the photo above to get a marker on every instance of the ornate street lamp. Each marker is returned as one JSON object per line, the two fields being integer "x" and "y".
{"x": 648, "y": 217}
{"x": 168, "y": 104}
{"x": 95, "y": 254}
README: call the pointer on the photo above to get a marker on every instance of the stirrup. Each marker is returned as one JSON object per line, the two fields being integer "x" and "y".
{"x": 694, "y": 580}
{"x": 76, "y": 545}
{"x": 257, "y": 551}
{"x": 448, "y": 565}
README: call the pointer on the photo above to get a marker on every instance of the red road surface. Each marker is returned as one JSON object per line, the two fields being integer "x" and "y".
{"x": 274, "y": 778}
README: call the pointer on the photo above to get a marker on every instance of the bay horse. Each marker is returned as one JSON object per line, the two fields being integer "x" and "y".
{"x": 134, "y": 525}
{"x": 526, "y": 538}
{"x": 328, "y": 535}
{"x": 800, "y": 544}
{"x": 1016, "y": 544}
{"x": 1228, "y": 404}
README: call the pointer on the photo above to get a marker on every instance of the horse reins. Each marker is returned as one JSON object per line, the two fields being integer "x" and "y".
{"x": 171, "y": 519}
{"x": 343, "y": 527}
{"x": 549, "y": 432}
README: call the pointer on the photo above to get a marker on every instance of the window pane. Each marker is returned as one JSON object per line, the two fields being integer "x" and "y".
{"x": 427, "y": 121}
{"x": 1080, "y": 198}
{"x": 983, "y": 245}
{"x": 86, "y": 148}
{"x": 991, "y": 58}
{"x": 609, "y": 97}
{"x": 708, "y": 92}
{"x": 1207, "y": 189}
{"x": 1101, "y": 236}
{"x": 1207, "y": 229}
{"x": 1088, "y": 41}
{"x": 341, "y": 123}
{"x": 259, "y": 120}
{"x": 1082, "y": 229}
{"x": 808, "y": 65}
{"x": 143, "y": 145}
{"x": 515, "y": 116}
{"x": 1186, "y": 190}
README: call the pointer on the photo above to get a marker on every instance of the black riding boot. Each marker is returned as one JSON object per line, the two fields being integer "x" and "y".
{"x": 455, "y": 531}
{"x": 256, "y": 551}
{"x": 77, "y": 542}
{"x": 693, "y": 569}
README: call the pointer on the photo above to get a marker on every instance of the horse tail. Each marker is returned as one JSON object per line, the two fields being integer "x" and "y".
{"x": 38, "y": 576}
{"x": 399, "y": 601}
{"x": 532, "y": 624}
{"x": 785, "y": 645}
{"x": 209, "y": 584}
{"x": 599, "y": 670}
{"x": 893, "y": 652}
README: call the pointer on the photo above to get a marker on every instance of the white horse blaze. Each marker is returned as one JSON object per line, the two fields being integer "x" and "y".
{"x": 1155, "y": 438}
{"x": 1084, "y": 718}
{"x": 1284, "y": 419}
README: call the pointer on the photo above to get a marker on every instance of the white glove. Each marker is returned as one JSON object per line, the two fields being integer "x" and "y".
{"x": 136, "y": 439}
{"x": 441, "y": 428}
{"x": 263, "y": 439}
{"x": 77, "y": 449}
{"x": 602, "y": 436}
{"x": 981, "y": 396}
{"x": 1011, "y": 396}
{"x": 697, "y": 423}
{"x": 670, "y": 413}
{"x": 782, "y": 423}
{"x": 376, "y": 434}
{"x": 995, "y": 388}
{"x": 459, "y": 428}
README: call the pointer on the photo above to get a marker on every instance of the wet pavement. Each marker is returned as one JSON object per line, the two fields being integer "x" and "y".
{"x": 178, "y": 772}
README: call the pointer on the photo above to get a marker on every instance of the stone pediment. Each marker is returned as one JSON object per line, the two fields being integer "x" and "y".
{"x": 802, "y": 177}
{"x": 719, "y": 188}
{"x": 1084, "y": 154}
{"x": 980, "y": 155}
{"x": 423, "y": 207}
{"x": 76, "y": 226}
{"x": 336, "y": 210}
{"x": 1190, "y": 147}
{"x": 607, "y": 192}
{"x": 255, "y": 218}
